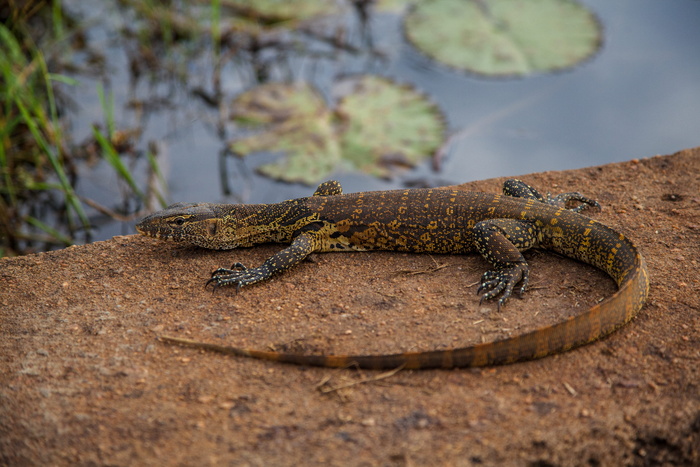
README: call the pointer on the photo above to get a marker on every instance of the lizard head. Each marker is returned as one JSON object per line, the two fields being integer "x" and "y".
{"x": 194, "y": 223}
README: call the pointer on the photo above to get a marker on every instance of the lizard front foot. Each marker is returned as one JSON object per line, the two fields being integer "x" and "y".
{"x": 237, "y": 275}
{"x": 503, "y": 281}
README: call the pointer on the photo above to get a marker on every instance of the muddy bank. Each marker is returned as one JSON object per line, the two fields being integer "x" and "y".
{"x": 84, "y": 380}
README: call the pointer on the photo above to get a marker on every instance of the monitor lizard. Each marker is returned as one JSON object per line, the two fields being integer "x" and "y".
{"x": 498, "y": 226}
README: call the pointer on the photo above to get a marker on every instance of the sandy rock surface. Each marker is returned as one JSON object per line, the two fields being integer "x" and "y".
{"x": 84, "y": 380}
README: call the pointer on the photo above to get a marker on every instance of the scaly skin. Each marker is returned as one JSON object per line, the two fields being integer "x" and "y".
{"x": 498, "y": 227}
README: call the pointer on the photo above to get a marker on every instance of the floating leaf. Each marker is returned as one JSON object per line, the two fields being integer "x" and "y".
{"x": 273, "y": 11}
{"x": 391, "y": 6}
{"x": 385, "y": 125}
{"x": 504, "y": 37}
{"x": 377, "y": 126}
{"x": 277, "y": 103}
{"x": 297, "y": 123}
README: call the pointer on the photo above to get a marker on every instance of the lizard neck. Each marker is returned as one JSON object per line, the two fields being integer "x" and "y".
{"x": 249, "y": 224}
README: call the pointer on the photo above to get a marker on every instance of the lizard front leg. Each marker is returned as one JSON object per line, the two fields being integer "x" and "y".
{"x": 302, "y": 246}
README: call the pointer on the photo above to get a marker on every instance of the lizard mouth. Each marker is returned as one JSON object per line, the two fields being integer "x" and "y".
{"x": 141, "y": 228}
{"x": 155, "y": 233}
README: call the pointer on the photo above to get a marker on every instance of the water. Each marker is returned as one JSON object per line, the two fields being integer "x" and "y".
{"x": 638, "y": 97}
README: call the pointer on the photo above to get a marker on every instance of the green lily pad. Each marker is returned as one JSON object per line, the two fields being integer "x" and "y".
{"x": 277, "y": 103}
{"x": 391, "y": 6}
{"x": 385, "y": 125}
{"x": 295, "y": 121}
{"x": 504, "y": 37}
{"x": 273, "y": 11}
{"x": 377, "y": 127}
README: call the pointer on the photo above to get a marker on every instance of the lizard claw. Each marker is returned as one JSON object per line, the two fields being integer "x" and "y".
{"x": 237, "y": 275}
{"x": 236, "y": 267}
{"x": 227, "y": 276}
{"x": 502, "y": 282}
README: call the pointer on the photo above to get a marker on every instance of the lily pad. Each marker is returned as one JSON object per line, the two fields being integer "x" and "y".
{"x": 385, "y": 125}
{"x": 378, "y": 126}
{"x": 296, "y": 122}
{"x": 274, "y": 11}
{"x": 391, "y": 6}
{"x": 504, "y": 37}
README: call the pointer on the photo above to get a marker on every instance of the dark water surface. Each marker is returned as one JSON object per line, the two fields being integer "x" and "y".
{"x": 638, "y": 97}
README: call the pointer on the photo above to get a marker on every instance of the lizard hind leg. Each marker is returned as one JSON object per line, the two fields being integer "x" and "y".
{"x": 561, "y": 200}
{"x": 500, "y": 242}
{"x": 520, "y": 189}
{"x": 329, "y": 188}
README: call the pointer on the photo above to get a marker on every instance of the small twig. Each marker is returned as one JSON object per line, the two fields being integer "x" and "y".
{"x": 327, "y": 390}
{"x": 570, "y": 389}
{"x": 414, "y": 272}
{"x": 111, "y": 213}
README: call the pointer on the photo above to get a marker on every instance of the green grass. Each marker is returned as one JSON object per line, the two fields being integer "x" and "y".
{"x": 39, "y": 208}
{"x": 39, "y": 162}
{"x": 32, "y": 144}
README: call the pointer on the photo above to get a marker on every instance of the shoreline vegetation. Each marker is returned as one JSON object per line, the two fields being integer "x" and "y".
{"x": 40, "y": 208}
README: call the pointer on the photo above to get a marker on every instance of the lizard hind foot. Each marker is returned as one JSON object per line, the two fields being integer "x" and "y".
{"x": 568, "y": 199}
{"x": 502, "y": 282}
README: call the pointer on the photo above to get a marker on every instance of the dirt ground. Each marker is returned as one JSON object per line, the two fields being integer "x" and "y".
{"x": 83, "y": 379}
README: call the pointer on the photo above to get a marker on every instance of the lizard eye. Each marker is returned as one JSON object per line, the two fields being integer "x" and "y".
{"x": 179, "y": 221}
